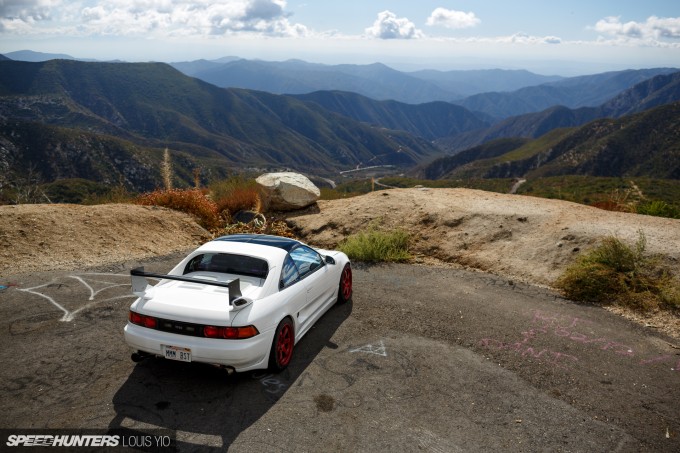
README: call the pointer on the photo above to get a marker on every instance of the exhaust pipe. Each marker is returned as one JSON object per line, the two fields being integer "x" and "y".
{"x": 139, "y": 356}
{"x": 228, "y": 368}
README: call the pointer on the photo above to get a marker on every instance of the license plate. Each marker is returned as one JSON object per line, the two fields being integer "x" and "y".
{"x": 177, "y": 353}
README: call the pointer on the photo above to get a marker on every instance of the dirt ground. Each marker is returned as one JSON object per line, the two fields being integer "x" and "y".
{"x": 523, "y": 239}
{"x": 48, "y": 237}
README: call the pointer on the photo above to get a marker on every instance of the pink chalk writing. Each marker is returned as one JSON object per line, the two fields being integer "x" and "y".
{"x": 559, "y": 359}
{"x": 568, "y": 328}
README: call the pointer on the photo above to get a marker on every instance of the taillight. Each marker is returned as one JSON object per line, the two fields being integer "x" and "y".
{"x": 142, "y": 320}
{"x": 211, "y": 331}
{"x": 230, "y": 333}
{"x": 136, "y": 318}
{"x": 245, "y": 332}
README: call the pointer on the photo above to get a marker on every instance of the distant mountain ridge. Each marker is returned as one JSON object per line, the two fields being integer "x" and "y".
{"x": 376, "y": 81}
{"x": 469, "y": 82}
{"x": 32, "y": 56}
{"x": 574, "y": 92}
{"x": 659, "y": 90}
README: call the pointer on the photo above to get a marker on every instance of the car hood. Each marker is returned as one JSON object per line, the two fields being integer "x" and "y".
{"x": 191, "y": 302}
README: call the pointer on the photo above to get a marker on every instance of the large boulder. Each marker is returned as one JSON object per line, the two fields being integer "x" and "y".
{"x": 288, "y": 191}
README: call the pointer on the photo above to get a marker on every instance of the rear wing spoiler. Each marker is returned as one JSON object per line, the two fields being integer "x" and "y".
{"x": 140, "y": 285}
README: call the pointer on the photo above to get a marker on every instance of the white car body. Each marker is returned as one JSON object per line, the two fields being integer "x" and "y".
{"x": 172, "y": 318}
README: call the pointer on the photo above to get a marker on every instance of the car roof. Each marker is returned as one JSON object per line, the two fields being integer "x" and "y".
{"x": 284, "y": 243}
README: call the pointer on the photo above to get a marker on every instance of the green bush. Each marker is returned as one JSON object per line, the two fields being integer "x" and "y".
{"x": 659, "y": 208}
{"x": 377, "y": 246}
{"x": 615, "y": 273}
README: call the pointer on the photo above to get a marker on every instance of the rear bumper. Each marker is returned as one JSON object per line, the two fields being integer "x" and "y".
{"x": 242, "y": 355}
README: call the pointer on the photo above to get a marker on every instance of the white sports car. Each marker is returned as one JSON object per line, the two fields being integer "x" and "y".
{"x": 241, "y": 301}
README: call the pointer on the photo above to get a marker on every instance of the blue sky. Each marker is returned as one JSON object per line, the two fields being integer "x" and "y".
{"x": 567, "y": 38}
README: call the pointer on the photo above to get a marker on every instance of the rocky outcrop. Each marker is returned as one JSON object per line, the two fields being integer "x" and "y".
{"x": 288, "y": 191}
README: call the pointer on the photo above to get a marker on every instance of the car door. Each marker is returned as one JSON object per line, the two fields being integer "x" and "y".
{"x": 313, "y": 274}
{"x": 293, "y": 290}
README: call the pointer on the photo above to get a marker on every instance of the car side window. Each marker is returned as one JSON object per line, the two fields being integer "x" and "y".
{"x": 306, "y": 260}
{"x": 289, "y": 274}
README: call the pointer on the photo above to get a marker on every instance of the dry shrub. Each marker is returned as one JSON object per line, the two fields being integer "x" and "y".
{"x": 237, "y": 193}
{"x": 240, "y": 199}
{"x": 610, "y": 205}
{"x": 271, "y": 226}
{"x": 615, "y": 273}
{"x": 191, "y": 201}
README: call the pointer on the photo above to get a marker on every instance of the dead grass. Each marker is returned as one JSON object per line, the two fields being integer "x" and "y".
{"x": 240, "y": 199}
{"x": 190, "y": 201}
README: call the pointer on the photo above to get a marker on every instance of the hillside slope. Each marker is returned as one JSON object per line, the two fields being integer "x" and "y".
{"x": 154, "y": 105}
{"x": 430, "y": 120}
{"x": 643, "y": 144}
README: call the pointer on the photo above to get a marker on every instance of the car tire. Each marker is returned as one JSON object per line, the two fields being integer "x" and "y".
{"x": 282, "y": 346}
{"x": 345, "y": 285}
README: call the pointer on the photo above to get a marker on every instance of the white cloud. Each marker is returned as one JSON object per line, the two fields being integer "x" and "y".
{"x": 162, "y": 17}
{"x": 27, "y": 9}
{"x": 389, "y": 26}
{"x": 452, "y": 19}
{"x": 523, "y": 38}
{"x": 653, "y": 28}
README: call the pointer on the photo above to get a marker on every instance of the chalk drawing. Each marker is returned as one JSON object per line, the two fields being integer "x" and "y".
{"x": 69, "y": 315}
{"x": 372, "y": 349}
{"x": 270, "y": 383}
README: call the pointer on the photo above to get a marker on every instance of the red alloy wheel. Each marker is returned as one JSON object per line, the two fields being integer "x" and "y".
{"x": 284, "y": 345}
{"x": 345, "y": 289}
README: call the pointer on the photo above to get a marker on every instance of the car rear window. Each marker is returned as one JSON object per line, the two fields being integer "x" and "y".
{"x": 227, "y": 263}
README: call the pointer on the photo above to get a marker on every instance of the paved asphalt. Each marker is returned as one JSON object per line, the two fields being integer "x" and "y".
{"x": 423, "y": 359}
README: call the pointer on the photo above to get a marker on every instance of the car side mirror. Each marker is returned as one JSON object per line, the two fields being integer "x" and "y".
{"x": 329, "y": 259}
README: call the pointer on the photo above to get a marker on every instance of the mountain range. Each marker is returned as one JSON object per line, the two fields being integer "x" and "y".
{"x": 497, "y": 94}
{"x": 110, "y": 122}
{"x": 375, "y": 81}
{"x": 658, "y": 90}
